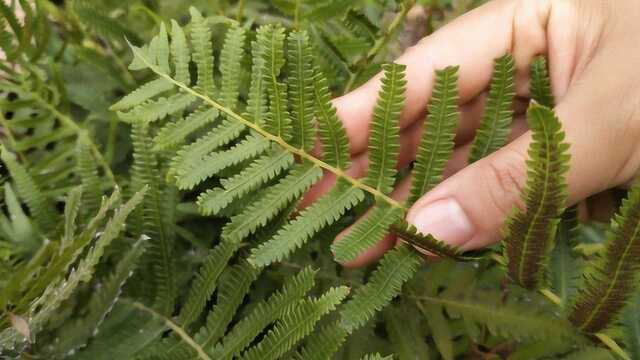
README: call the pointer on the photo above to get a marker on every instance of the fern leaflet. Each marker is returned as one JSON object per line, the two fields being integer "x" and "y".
{"x": 540, "y": 86}
{"x": 300, "y": 66}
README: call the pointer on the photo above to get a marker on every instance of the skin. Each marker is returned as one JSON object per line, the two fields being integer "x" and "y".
{"x": 593, "y": 53}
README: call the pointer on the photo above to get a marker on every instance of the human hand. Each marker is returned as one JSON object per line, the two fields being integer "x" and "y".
{"x": 595, "y": 75}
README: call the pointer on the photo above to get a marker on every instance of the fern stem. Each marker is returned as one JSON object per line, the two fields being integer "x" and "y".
{"x": 68, "y": 121}
{"x": 276, "y": 139}
{"x": 173, "y": 326}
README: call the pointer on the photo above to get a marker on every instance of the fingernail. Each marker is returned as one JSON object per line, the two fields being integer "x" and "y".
{"x": 445, "y": 220}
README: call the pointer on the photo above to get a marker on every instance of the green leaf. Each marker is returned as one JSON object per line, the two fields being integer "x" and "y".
{"x": 436, "y": 145}
{"x": 253, "y": 176}
{"x": 333, "y": 137}
{"x": 324, "y": 343}
{"x": 406, "y": 335}
{"x": 612, "y": 280}
{"x": 145, "y": 92}
{"x": 495, "y": 125}
{"x": 175, "y": 133}
{"x": 202, "y": 52}
{"x": 231, "y": 65}
{"x": 180, "y": 54}
{"x": 295, "y": 325}
{"x": 530, "y": 234}
{"x": 310, "y": 221}
{"x": 88, "y": 171}
{"x": 384, "y": 139}
{"x": 395, "y": 268}
{"x": 300, "y": 69}
{"x": 273, "y": 201}
{"x": 366, "y": 233}
{"x": 540, "y": 86}
{"x": 158, "y": 109}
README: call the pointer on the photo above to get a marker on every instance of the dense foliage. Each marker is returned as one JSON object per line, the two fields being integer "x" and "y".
{"x": 154, "y": 156}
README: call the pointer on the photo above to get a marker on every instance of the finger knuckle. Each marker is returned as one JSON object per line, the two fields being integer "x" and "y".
{"x": 505, "y": 181}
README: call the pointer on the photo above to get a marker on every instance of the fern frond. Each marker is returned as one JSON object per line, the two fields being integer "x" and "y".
{"x": 298, "y": 231}
{"x": 71, "y": 211}
{"x": 405, "y": 332}
{"x": 271, "y": 40}
{"x": 74, "y": 335}
{"x": 384, "y": 139}
{"x": 192, "y": 173}
{"x": 410, "y": 234}
{"x": 300, "y": 69}
{"x": 540, "y": 86}
{"x": 92, "y": 15}
{"x": 257, "y": 101}
{"x": 514, "y": 320}
{"x": 529, "y": 235}
{"x": 611, "y": 282}
{"x": 591, "y": 353}
{"x": 395, "y": 268}
{"x": 234, "y": 285}
{"x": 39, "y": 206}
{"x": 175, "y": 133}
{"x": 335, "y": 144}
{"x": 436, "y": 145}
{"x": 231, "y": 65}
{"x": 205, "y": 282}
{"x": 155, "y": 110}
{"x": 495, "y": 125}
{"x": 219, "y": 136}
{"x": 257, "y": 173}
{"x": 145, "y": 92}
{"x": 180, "y": 54}
{"x": 150, "y": 219}
{"x": 277, "y": 306}
{"x": 88, "y": 172}
{"x": 202, "y": 51}
{"x": 324, "y": 343}
{"x": 631, "y": 323}
{"x": 295, "y": 325}
{"x": 300, "y": 178}
{"x": 366, "y": 233}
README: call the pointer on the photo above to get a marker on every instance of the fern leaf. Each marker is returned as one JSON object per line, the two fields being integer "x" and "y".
{"x": 513, "y": 320}
{"x": 335, "y": 144}
{"x": 530, "y": 234}
{"x": 436, "y": 145}
{"x": 564, "y": 266}
{"x": 395, "y": 268}
{"x": 275, "y": 199}
{"x": 219, "y": 136}
{"x": 324, "y": 343}
{"x": 231, "y": 65}
{"x": 410, "y": 234}
{"x": 366, "y": 233}
{"x": 151, "y": 219}
{"x": 202, "y": 52}
{"x": 631, "y": 322}
{"x": 295, "y": 325}
{"x": 271, "y": 40}
{"x": 175, "y": 133}
{"x": 384, "y": 139}
{"x": 180, "y": 54}
{"x": 495, "y": 125}
{"x": 155, "y": 110}
{"x": 39, "y": 206}
{"x": 277, "y": 306}
{"x": 88, "y": 172}
{"x": 71, "y": 210}
{"x": 75, "y": 334}
{"x": 257, "y": 100}
{"x": 612, "y": 281}
{"x": 405, "y": 332}
{"x": 300, "y": 65}
{"x": 257, "y": 173}
{"x": 540, "y": 86}
{"x": 234, "y": 285}
{"x": 192, "y": 173}
{"x": 205, "y": 282}
{"x": 298, "y": 231}
{"x": 145, "y": 92}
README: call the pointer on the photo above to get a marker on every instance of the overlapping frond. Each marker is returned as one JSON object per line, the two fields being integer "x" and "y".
{"x": 395, "y": 268}
{"x": 436, "y": 145}
{"x": 296, "y": 324}
{"x": 298, "y": 231}
{"x": 612, "y": 281}
{"x": 530, "y": 234}
{"x": 495, "y": 125}
{"x": 384, "y": 138}
{"x": 300, "y": 79}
